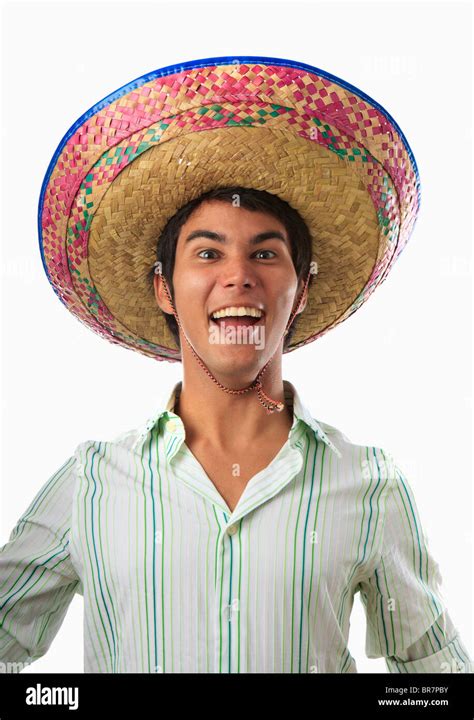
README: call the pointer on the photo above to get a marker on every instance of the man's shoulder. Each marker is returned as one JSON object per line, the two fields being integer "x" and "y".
{"x": 334, "y": 433}
{"x": 368, "y": 461}
{"x": 126, "y": 440}
{"x": 339, "y": 439}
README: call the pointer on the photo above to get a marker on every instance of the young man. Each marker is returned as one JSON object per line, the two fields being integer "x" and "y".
{"x": 231, "y": 532}
{"x": 249, "y": 266}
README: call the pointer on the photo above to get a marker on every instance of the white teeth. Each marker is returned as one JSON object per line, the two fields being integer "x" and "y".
{"x": 237, "y": 312}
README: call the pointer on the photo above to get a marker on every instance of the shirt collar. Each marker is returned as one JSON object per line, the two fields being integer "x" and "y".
{"x": 167, "y": 401}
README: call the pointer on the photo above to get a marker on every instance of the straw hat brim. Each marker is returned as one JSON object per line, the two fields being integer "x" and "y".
{"x": 137, "y": 159}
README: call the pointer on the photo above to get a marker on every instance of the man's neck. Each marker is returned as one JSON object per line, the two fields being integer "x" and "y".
{"x": 226, "y": 421}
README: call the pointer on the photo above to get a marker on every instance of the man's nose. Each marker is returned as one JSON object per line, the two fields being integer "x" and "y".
{"x": 239, "y": 271}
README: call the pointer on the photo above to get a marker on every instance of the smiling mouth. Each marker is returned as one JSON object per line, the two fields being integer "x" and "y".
{"x": 237, "y": 320}
{"x": 237, "y": 317}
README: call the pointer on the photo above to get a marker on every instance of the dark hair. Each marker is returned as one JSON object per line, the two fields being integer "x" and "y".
{"x": 250, "y": 199}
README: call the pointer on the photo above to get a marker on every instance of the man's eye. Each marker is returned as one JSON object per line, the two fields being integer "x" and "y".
{"x": 265, "y": 251}
{"x": 205, "y": 251}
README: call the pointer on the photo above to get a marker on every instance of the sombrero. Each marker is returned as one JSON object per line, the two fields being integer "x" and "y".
{"x": 137, "y": 156}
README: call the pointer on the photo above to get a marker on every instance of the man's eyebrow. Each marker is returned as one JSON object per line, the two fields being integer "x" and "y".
{"x": 210, "y": 235}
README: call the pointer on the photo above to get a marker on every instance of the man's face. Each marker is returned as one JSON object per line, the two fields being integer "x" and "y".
{"x": 233, "y": 271}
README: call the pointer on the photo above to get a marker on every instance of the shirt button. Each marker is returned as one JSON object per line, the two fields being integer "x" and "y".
{"x": 232, "y": 529}
{"x": 171, "y": 425}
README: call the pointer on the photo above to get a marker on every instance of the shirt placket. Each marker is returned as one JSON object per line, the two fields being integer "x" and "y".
{"x": 227, "y": 601}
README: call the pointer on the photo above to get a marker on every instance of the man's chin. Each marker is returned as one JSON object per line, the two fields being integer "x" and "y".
{"x": 242, "y": 356}
{"x": 233, "y": 365}
{"x": 235, "y": 361}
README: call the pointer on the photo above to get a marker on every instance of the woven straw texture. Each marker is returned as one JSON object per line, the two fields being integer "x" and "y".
{"x": 143, "y": 153}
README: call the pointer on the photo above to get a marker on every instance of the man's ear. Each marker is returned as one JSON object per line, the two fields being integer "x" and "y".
{"x": 160, "y": 294}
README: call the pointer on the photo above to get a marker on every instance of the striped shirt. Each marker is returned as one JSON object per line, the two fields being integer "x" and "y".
{"x": 174, "y": 581}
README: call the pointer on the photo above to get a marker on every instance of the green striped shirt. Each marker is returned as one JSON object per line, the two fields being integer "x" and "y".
{"x": 173, "y": 581}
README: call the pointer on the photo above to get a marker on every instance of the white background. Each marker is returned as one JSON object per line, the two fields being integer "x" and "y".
{"x": 396, "y": 374}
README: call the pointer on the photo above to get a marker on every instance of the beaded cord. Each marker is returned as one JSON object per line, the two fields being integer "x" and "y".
{"x": 267, "y": 402}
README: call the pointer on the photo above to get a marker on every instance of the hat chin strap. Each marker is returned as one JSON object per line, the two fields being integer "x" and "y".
{"x": 270, "y": 405}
